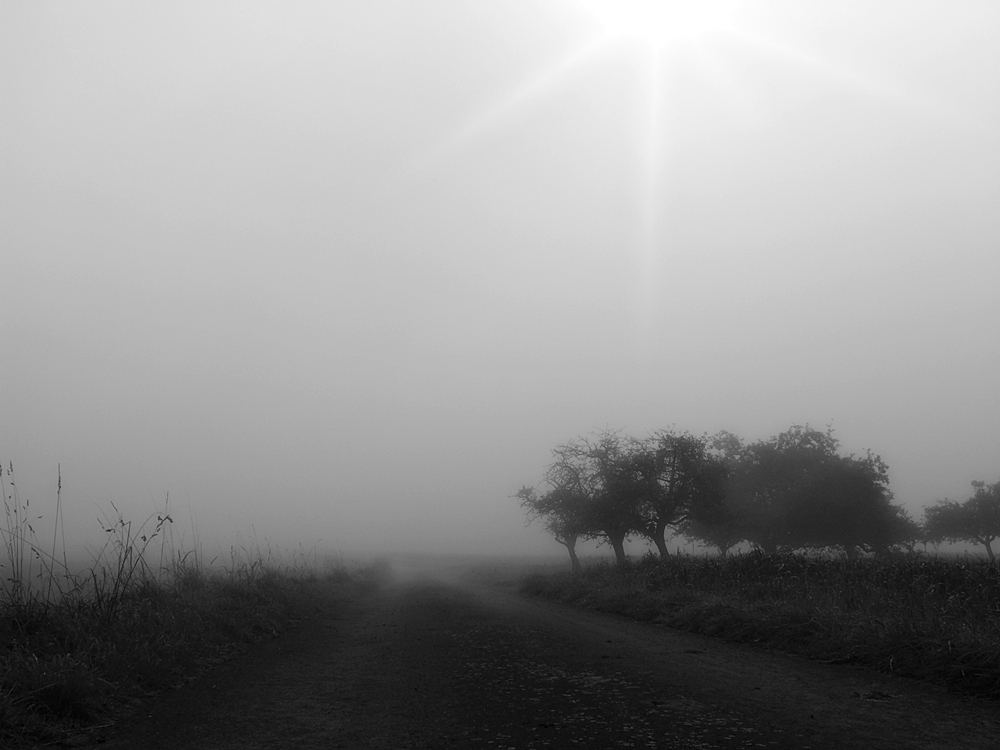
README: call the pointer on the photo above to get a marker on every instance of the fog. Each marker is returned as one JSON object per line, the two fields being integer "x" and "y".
{"x": 342, "y": 274}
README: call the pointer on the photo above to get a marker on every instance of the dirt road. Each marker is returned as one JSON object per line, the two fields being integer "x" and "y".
{"x": 434, "y": 660}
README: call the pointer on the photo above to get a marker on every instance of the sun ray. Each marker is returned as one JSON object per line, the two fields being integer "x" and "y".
{"x": 722, "y": 75}
{"x": 494, "y": 114}
{"x": 656, "y": 151}
{"x": 842, "y": 74}
{"x": 661, "y": 23}
{"x": 650, "y": 215}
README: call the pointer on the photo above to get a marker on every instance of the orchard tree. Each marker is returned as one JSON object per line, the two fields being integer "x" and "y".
{"x": 975, "y": 520}
{"x": 724, "y": 521}
{"x": 593, "y": 494}
{"x": 681, "y": 482}
{"x": 562, "y": 512}
{"x": 719, "y": 528}
{"x": 850, "y": 506}
{"x": 721, "y": 524}
{"x": 769, "y": 481}
{"x": 897, "y": 530}
{"x": 796, "y": 490}
{"x": 601, "y": 469}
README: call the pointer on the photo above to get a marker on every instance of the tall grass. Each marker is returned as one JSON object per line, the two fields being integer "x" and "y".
{"x": 78, "y": 648}
{"x": 911, "y": 615}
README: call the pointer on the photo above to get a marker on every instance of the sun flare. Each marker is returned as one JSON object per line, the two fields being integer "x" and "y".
{"x": 695, "y": 37}
{"x": 661, "y": 22}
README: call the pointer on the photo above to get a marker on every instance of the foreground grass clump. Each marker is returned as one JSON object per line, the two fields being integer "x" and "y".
{"x": 79, "y": 649}
{"x": 75, "y": 663}
{"x": 914, "y": 616}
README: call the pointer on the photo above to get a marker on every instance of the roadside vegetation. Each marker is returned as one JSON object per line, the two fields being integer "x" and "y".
{"x": 827, "y": 565}
{"x": 79, "y": 649}
{"x": 913, "y": 616}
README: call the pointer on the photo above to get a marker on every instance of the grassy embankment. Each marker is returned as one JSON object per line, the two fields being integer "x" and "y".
{"x": 926, "y": 618}
{"x": 78, "y": 650}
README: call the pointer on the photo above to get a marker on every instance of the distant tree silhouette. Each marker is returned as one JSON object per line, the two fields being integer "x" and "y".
{"x": 975, "y": 520}
{"x": 681, "y": 482}
{"x": 591, "y": 495}
{"x": 769, "y": 483}
{"x": 562, "y": 513}
{"x": 795, "y": 490}
{"x": 723, "y": 521}
{"x": 599, "y": 471}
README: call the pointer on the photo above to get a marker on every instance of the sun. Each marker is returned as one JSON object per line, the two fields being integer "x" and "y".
{"x": 662, "y": 22}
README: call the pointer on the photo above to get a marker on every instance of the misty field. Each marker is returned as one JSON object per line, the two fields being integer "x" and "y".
{"x": 80, "y": 648}
{"x": 912, "y": 615}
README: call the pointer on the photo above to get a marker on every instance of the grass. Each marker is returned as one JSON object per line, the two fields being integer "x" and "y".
{"x": 77, "y": 651}
{"x": 915, "y": 616}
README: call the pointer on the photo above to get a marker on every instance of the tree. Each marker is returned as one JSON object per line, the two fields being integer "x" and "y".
{"x": 897, "y": 530}
{"x": 723, "y": 521}
{"x": 680, "y": 481}
{"x": 769, "y": 486}
{"x": 562, "y": 513}
{"x": 600, "y": 472}
{"x": 849, "y": 505}
{"x": 593, "y": 494}
{"x": 796, "y": 490}
{"x": 975, "y": 520}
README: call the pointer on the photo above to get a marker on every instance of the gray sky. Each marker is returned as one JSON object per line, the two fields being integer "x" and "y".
{"x": 348, "y": 271}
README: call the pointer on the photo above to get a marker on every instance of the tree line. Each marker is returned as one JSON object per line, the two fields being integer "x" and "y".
{"x": 792, "y": 491}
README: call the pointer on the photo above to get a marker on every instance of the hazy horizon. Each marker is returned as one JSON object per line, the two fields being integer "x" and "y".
{"x": 344, "y": 274}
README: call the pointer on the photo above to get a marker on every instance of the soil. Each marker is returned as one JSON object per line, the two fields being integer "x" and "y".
{"x": 435, "y": 659}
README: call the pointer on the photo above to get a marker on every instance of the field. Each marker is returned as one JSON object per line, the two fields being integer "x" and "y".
{"x": 913, "y": 616}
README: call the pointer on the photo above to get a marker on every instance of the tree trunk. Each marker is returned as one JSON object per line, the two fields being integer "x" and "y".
{"x": 988, "y": 543}
{"x": 573, "y": 559}
{"x": 661, "y": 543}
{"x": 570, "y": 544}
{"x": 618, "y": 545}
{"x": 661, "y": 546}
